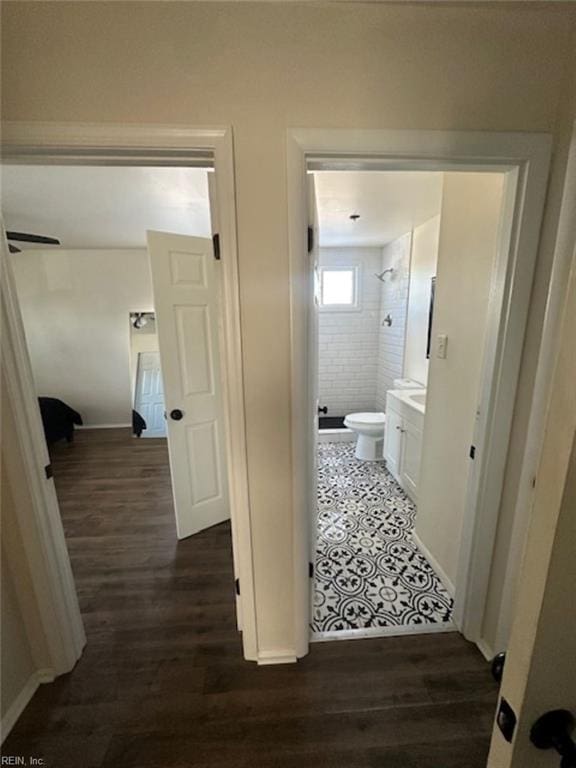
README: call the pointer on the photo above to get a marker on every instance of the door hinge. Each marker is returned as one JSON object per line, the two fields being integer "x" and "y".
{"x": 310, "y": 239}
{"x": 237, "y": 586}
{"x": 311, "y": 570}
{"x": 472, "y": 451}
{"x": 506, "y": 720}
{"x": 216, "y": 244}
{"x": 48, "y": 471}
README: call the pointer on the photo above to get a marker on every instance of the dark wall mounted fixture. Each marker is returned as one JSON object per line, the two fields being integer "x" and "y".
{"x": 430, "y": 316}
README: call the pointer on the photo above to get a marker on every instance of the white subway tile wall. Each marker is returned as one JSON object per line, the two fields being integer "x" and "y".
{"x": 394, "y": 292}
{"x": 348, "y": 340}
{"x": 359, "y": 354}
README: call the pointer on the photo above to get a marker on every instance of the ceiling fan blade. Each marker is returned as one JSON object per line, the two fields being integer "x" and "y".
{"x": 25, "y": 237}
{"x": 13, "y": 249}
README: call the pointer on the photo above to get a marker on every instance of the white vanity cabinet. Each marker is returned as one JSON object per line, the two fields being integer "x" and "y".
{"x": 403, "y": 439}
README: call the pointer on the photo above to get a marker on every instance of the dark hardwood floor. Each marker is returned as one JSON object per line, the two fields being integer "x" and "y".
{"x": 162, "y": 682}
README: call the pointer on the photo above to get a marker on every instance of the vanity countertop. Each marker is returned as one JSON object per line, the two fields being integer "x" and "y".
{"x": 414, "y": 398}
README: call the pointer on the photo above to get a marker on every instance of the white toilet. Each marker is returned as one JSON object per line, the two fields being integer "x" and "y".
{"x": 370, "y": 427}
{"x": 370, "y": 430}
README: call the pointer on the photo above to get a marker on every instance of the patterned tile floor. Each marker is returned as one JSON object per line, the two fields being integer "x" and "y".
{"x": 368, "y": 573}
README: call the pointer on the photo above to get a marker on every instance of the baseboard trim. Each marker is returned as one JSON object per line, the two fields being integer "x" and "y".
{"x": 448, "y": 586}
{"x": 286, "y": 656}
{"x": 336, "y": 436}
{"x": 23, "y": 699}
{"x": 104, "y": 426}
{"x": 485, "y": 650}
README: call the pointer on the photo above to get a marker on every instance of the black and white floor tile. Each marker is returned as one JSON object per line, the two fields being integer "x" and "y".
{"x": 368, "y": 572}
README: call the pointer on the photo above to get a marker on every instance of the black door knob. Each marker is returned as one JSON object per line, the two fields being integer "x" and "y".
{"x": 176, "y": 414}
{"x": 498, "y": 666}
{"x": 323, "y": 410}
{"x": 554, "y": 731}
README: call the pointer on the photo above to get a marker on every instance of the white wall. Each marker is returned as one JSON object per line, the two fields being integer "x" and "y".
{"x": 471, "y": 208}
{"x": 348, "y": 340}
{"x": 393, "y": 301}
{"x": 488, "y": 67}
{"x": 75, "y": 306}
{"x": 422, "y": 269}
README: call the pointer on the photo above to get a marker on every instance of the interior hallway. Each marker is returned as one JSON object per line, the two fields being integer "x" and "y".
{"x": 162, "y": 681}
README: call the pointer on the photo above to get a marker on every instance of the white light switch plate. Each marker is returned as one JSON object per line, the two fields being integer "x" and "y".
{"x": 441, "y": 345}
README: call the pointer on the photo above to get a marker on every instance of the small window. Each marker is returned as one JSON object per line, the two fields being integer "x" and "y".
{"x": 339, "y": 287}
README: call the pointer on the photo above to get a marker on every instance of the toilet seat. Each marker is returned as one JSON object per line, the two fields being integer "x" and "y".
{"x": 366, "y": 422}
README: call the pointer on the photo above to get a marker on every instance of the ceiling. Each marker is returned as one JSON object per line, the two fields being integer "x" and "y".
{"x": 104, "y": 207}
{"x": 390, "y": 203}
{"x": 113, "y": 206}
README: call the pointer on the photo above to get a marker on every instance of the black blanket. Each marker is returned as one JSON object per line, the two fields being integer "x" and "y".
{"x": 58, "y": 419}
{"x": 138, "y": 424}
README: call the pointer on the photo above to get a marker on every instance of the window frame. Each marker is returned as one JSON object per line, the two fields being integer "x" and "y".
{"x": 355, "y": 306}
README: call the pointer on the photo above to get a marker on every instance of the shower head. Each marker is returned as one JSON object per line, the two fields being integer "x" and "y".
{"x": 382, "y": 275}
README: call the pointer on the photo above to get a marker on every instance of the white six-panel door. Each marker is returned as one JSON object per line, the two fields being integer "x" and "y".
{"x": 149, "y": 400}
{"x": 186, "y": 306}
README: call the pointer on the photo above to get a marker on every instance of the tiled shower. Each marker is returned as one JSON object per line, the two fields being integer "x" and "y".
{"x": 361, "y": 351}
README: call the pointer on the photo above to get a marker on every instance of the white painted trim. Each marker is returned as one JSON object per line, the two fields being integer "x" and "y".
{"x": 485, "y": 649}
{"x": 280, "y": 656}
{"x": 509, "y": 302}
{"x": 103, "y": 426}
{"x": 69, "y": 143}
{"x": 549, "y": 344}
{"x": 357, "y": 286}
{"x": 22, "y": 700}
{"x": 336, "y": 436}
{"x": 301, "y": 451}
{"x": 523, "y": 155}
{"x": 371, "y": 632}
{"x": 436, "y": 567}
{"x": 235, "y": 414}
{"x": 38, "y": 528}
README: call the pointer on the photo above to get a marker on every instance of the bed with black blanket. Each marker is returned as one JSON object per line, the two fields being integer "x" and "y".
{"x": 58, "y": 419}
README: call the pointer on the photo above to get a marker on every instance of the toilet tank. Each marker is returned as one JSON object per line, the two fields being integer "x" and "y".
{"x": 407, "y": 384}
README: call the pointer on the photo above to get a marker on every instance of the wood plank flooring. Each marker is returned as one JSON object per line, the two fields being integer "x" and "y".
{"x": 162, "y": 682}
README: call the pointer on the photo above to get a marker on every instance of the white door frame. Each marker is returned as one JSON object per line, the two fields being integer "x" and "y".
{"x": 526, "y": 158}
{"x": 549, "y": 344}
{"x": 38, "y": 529}
{"x": 77, "y": 143}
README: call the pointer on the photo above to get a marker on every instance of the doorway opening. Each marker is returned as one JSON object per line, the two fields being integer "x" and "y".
{"x": 149, "y": 409}
{"x": 90, "y": 304}
{"x": 405, "y": 263}
{"x": 523, "y": 161}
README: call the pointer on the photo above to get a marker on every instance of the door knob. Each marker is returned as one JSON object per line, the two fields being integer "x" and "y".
{"x": 323, "y": 410}
{"x": 554, "y": 731}
{"x": 176, "y": 414}
{"x": 497, "y": 666}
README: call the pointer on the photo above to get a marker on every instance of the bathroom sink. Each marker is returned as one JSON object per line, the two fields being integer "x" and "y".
{"x": 413, "y": 398}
